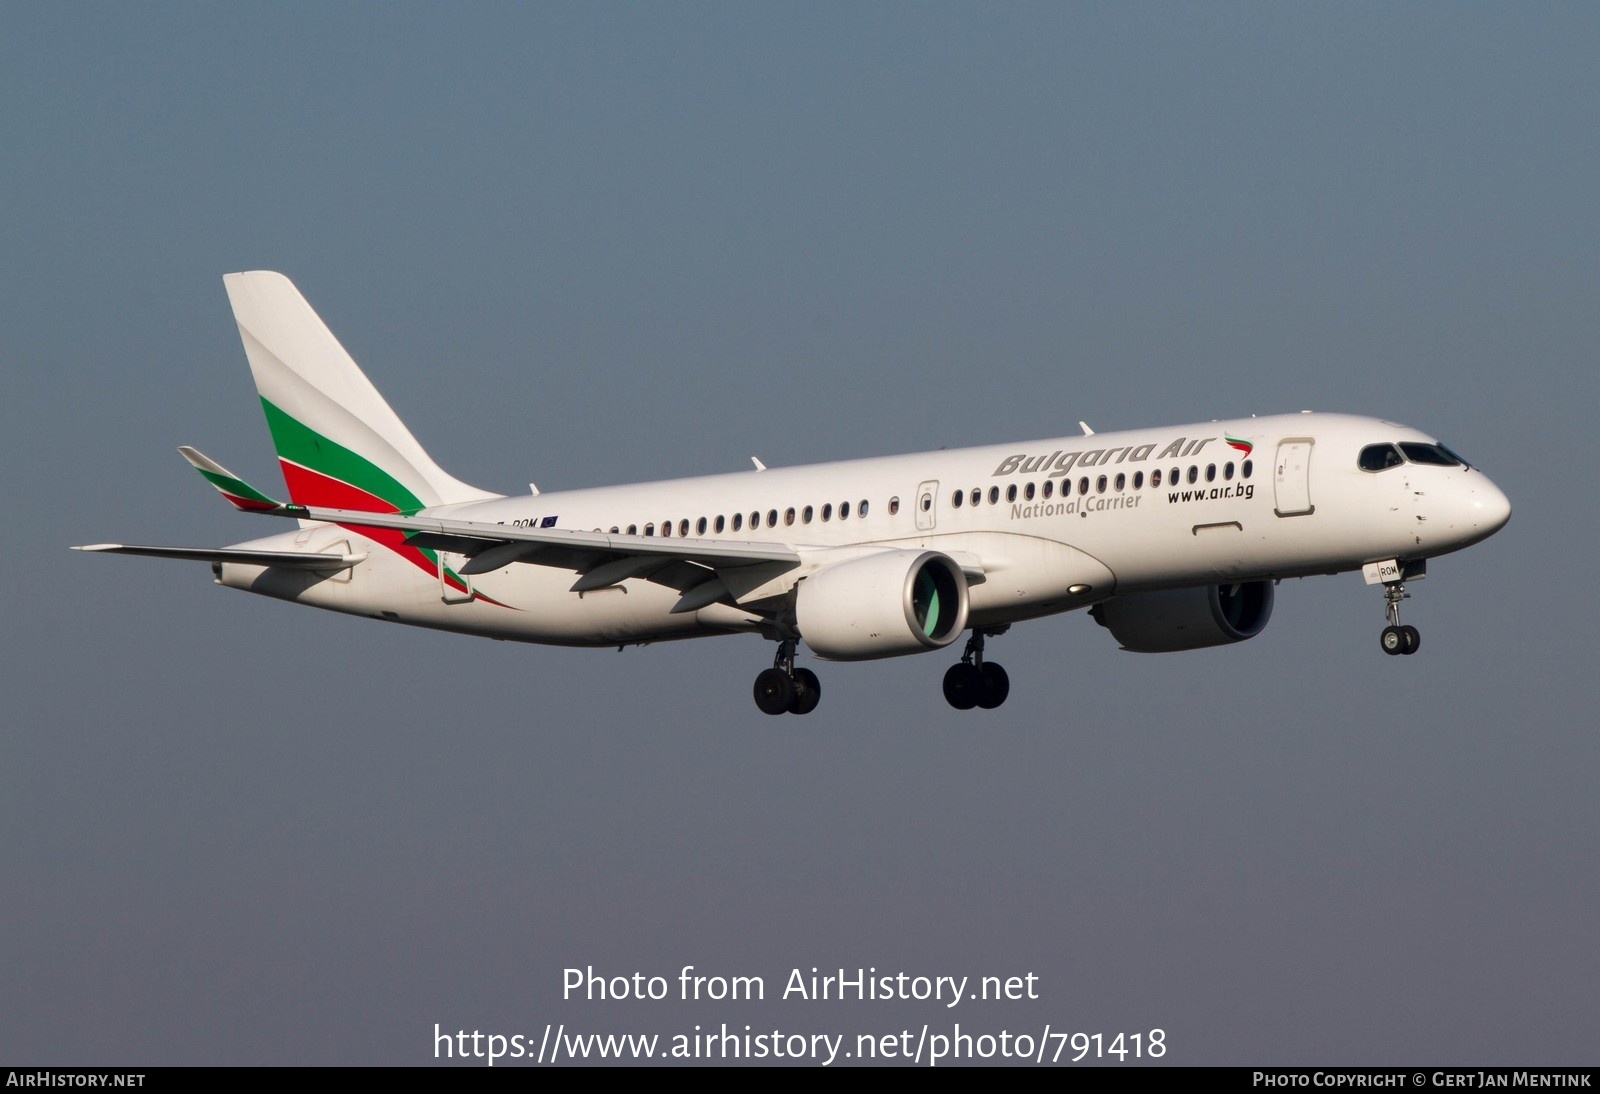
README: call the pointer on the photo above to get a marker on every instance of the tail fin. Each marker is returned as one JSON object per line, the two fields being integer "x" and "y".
{"x": 339, "y": 443}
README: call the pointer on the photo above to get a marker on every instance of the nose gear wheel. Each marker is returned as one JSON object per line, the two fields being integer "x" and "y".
{"x": 1397, "y": 639}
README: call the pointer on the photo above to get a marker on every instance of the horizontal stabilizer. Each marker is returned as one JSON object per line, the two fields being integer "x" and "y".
{"x": 283, "y": 560}
{"x": 240, "y": 494}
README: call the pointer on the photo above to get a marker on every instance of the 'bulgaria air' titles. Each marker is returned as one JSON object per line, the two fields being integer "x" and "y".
{"x": 1061, "y": 462}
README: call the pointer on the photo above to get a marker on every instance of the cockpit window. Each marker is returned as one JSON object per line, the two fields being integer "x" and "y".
{"x": 1436, "y": 454}
{"x": 1378, "y": 457}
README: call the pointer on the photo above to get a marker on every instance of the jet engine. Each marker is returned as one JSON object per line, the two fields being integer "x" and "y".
{"x": 1187, "y": 619}
{"x": 882, "y": 605}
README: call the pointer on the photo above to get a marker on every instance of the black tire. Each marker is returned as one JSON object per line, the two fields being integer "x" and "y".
{"x": 1393, "y": 640}
{"x": 774, "y": 691}
{"x": 1413, "y": 639}
{"x": 962, "y": 686}
{"x": 807, "y": 692}
{"x": 995, "y": 686}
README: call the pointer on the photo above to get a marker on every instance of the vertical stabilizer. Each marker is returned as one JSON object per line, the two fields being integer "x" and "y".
{"x": 339, "y": 443}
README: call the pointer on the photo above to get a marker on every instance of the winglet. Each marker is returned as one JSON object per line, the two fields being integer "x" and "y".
{"x": 240, "y": 494}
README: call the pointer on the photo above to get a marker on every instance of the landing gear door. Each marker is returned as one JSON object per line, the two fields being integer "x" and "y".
{"x": 1291, "y": 477}
{"x": 927, "y": 505}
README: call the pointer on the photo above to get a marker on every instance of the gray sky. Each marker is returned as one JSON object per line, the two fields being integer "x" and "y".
{"x": 583, "y": 244}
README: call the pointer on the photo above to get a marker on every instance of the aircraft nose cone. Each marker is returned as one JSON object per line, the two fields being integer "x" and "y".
{"x": 1490, "y": 507}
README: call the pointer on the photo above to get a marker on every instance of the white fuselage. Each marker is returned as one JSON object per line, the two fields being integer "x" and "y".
{"x": 1050, "y": 526}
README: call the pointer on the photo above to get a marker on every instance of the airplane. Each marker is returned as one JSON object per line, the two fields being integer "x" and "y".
{"x": 1171, "y": 538}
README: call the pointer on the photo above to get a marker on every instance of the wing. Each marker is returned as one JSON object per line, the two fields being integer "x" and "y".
{"x": 704, "y": 571}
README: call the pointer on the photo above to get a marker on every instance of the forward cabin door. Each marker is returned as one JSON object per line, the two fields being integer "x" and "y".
{"x": 1291, "y": 477}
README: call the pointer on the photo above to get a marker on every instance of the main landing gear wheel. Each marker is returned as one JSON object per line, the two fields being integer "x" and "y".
{"x": 975, "y": 682}
{"x": 774, "y": 691}
{"x": 962, "y": 685}
{"x": 807, "y": 692}
{"x": 1396, "y": 639}
{"x": 996, "y": 686}
{"x": 784, "y": 689}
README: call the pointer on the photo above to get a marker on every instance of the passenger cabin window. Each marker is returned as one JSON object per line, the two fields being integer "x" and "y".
{"x": 738, "y": 521}
{"x": 1379, "y": 457}
{"x": 827, "y": 511}
{"x": 894, "y": 506}
{"x": 955, "y": 499}
{"x": 844, "y": 510}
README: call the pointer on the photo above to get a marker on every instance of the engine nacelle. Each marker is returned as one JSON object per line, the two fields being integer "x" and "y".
{"x": 1187, "y": 619}
{"x": 882, "y": 605}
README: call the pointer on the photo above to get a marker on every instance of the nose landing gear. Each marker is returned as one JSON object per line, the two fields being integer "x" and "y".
{"x": 784, "y": 689}
{"x": 975, "y": 682}
{"x": 1396, "y": 639}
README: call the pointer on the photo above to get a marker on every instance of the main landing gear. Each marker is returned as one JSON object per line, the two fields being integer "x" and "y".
{"x": 784, "y": 689}
{"x": 1395, "y": 638}
{"x": 976, "y": 682}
